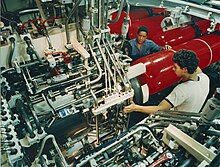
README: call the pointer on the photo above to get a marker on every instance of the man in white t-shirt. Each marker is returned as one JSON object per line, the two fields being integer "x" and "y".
{"x": 187, "y": 96}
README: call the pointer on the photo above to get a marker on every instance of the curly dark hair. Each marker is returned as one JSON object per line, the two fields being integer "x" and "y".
{"x": 143, "y": 28}
{"x": 186, "y": 59}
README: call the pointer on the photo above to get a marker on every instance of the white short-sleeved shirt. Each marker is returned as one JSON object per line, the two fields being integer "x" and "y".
{"x": 189, "y": 96}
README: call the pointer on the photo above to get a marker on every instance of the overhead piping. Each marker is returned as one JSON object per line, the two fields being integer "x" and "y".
{"x": 68, "y": 19}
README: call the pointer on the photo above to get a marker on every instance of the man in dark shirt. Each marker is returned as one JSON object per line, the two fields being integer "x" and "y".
{"x": 141, "y": 46}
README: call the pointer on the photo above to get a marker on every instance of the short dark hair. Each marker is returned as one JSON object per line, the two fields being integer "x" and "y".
{"x": 186, "y": 59}
{"x": 143, "y": 28}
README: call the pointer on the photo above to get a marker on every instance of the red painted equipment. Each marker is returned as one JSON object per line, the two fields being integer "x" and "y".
{"x": 152, "y": 23}
{"x": 179, "y": 35}
{"x": 116, "y": 27}
{"x": 135, "y": 15}
{"x": 159, "y": 73}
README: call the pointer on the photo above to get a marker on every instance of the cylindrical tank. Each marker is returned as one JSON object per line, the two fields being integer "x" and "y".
{"x": 135, "y": 15}
{"x": 179, "y": 35}
{"x": 116, "y": 27}
{"x": 152, "y": 23}
{"x": 159, "y": 73}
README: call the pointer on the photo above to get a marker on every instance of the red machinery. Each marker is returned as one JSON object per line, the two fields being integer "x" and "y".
{"x": 159, "y": 73}
{"x": 179, "y": 35}
{"x": 152, "y": 23}
{"x": 116, "y": 27}
{"x": 135, "y": 16}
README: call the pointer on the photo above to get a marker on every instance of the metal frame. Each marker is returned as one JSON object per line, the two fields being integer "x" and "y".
{"x": 196, "y": 149}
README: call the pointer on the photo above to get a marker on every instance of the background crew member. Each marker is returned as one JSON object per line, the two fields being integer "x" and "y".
{"x": 141, "y": 46}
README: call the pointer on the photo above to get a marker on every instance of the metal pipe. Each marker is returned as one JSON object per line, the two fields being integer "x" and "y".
{"x": 38, "y": 3}
{"x": 78, "y": 27}
{"x": 106, "y": 63}
{"x": 56, "y": 147}
{"x": 99, "y": 14}
{"x": 3, "y": 5}
{"x": 21, "y": 66}
{"x": 39, "y": 128}
{"x": 94, "y": 96}
{"x": 68, "y": 18}
{"x": 212, "y": 132}
{"x": 12, "y": 49}
{"x": 66, "y": 83}
{"x": 118, "y": 140}
{"x": 27, "y": 83}
{"x": 103, "y": 14}
{"x": 125, "y": 24}
{"x": 98, "y": 66}
{"x": 29, "y": 43}
{"x": 118, "y": 62}
{"x": 79, "y": 101}
{"x": 21, "y": 108}
{"x": 26, "y": 11}
{"x": 106, "y": 14}
{"x": 211, "y": 141}
{"x": 46, "y": 99}
{"x": 92, "y": 12}
{"x": 106, "y": 80}
{"x": 123, "y": 151}
{"x": 119, "y": 13}
{"x": 48, "y": 38}
{"x": 97, "y": 129}
{"x": 128, "y": 10}
{"x": 115, "y": 66}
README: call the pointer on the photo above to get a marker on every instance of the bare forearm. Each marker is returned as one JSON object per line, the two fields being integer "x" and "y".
{"x": 164, "y": 105}
{"x": 146, "y": 109}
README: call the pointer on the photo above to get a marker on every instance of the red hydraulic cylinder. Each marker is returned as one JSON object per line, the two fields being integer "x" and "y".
{"x": 159, "y": 66}
{"x": 181, "y": 35}
{"x": 135, "y": 15}
{"x": 152, "y": 23}
{"x": 116, "y": 27}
